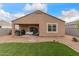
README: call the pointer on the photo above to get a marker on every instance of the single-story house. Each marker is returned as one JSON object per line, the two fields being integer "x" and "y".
{"x": 40, "y": 23}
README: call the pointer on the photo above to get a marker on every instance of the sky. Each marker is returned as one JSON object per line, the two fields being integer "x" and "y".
{"x": 66, "y": 11}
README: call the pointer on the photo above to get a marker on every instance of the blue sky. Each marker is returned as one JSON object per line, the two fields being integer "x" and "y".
{"x": 56, "y": 8}
{"x": 13, "y": 8}
{"x": 53, "y": 8}
{"x": 10, "y": 10}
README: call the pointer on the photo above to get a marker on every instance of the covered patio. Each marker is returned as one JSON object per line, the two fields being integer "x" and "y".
{"x": 32, "y": 29}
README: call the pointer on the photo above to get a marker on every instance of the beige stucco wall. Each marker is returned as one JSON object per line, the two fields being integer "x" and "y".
{"x": 42, "y": 19}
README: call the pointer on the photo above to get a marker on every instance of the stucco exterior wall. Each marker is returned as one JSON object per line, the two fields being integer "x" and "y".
{"x": 42, "y": 19}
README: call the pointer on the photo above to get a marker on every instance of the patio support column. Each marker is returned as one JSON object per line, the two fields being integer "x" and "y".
{"x": 13, "y": 29}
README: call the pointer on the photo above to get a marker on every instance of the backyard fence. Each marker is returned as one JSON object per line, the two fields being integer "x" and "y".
{"x": 72, "y": 31}
{"x": 5, "y": 31}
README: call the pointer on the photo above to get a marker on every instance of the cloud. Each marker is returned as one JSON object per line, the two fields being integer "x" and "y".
{"x": 28, "y": 8}
{"x": 36, "y": 6}
{"x": 4, "y": 15}
{"x": 7, "y": 16}
{"x": 17, "y": 15}
{"x": 70, "y": 15}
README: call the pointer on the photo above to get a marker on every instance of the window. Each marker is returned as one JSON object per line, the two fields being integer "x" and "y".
{"x": 52, "y": 27}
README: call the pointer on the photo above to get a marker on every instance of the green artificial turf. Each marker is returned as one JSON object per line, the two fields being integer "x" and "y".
{"x": 36, "y": 49}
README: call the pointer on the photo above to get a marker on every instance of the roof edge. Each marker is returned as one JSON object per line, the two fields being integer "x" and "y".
{"x": 36, "y": 11}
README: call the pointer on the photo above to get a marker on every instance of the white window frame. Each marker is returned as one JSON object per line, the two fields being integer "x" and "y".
{"x": 52, "y": 31}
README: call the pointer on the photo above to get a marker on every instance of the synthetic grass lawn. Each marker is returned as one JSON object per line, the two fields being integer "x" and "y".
{"x": 36, "y": 49}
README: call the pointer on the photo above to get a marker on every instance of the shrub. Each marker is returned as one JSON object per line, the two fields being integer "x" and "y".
{"x": 54, "y": 41}
{"x": 75, "y": 39}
